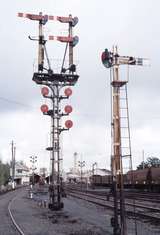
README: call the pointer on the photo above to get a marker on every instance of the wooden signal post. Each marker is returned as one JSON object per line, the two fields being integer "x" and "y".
{"x": 113, "y": 60}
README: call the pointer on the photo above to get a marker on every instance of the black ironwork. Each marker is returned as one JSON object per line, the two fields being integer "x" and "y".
{"x": 67, "y": 79}
{"x": 55, "y": 81}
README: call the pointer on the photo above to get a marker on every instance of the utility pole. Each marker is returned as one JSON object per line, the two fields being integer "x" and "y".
{"x": 75, "y": 162}
{"x": 113, "y": 60}
{"x": 93, "y": 172}
{"x": 143, "y": 158}
{"x": 93, "y": 169}
{"x": 81, "y": 164}
{"x": 13, "y": 151}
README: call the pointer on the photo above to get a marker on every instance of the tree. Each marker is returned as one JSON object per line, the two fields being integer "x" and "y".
{"x": 4, "y": 173}
{"x": 150, "y": 162}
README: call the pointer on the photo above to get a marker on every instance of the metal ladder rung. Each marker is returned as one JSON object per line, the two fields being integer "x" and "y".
{"x": 124, "y": 121}
{"x": 127, "y": 155}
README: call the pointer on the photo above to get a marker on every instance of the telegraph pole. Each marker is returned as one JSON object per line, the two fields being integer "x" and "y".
{"x": 13, "y": 151}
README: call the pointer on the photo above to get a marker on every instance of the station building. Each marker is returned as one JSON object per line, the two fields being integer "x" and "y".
{"x": 21, "y": 174}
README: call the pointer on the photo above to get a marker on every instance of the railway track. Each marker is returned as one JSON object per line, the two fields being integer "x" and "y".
{"x": 13, "y": 218}
{"x": 140, "y": 196}
{"x": 148, "y": 197}
{"x": 133, "y": 208}
{"x": 9, "y": 225}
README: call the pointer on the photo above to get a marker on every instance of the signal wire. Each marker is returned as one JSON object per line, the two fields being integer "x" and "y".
{"x": 64, "y": 57}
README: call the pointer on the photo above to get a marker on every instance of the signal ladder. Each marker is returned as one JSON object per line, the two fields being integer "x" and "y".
{"x": 125, "y": 138}
{"x": 125, "y": 129}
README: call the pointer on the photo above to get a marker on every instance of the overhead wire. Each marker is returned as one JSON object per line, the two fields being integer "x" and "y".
{"x": 17, "y": 102}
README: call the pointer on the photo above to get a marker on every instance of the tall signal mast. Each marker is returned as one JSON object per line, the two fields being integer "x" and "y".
{"x": 54, "y": 82}
{"x": 113, "y": 60}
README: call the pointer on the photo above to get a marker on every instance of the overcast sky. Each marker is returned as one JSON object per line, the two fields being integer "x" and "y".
{"x": 133, "y": 25}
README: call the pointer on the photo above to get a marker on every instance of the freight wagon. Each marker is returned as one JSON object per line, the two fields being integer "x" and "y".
{"x": 144, "y": 179}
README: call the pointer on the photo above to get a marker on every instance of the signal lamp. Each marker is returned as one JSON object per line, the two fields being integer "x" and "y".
{"x": 68, "y": 92}
{"x": 75, "y": 21}
{"x": 44, "y": 108}
{"x": 68, "y": 124}
{"x": 68, "y": 109}
{"x": 72, "y": 68}
{"x": 107, "y": 58}
{"x": 75, "y": 41}
{"x": 44, "y": 91}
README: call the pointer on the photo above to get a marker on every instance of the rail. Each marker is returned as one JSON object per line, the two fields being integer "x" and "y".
{"x": 141, "y": 210}
{"x": 12, "y": 217}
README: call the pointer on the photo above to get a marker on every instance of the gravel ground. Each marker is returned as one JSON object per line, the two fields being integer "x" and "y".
{"x": 40, "y": 221}
{"x": 77, "y": 218}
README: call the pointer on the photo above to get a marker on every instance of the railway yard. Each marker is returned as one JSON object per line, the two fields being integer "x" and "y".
{"x": 106, "y": 189}
{"x": 86, "y": 212}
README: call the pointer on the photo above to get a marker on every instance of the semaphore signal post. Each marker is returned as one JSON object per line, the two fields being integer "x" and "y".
{"x": 54, "y": 82}
{"x": 119, "y": 123}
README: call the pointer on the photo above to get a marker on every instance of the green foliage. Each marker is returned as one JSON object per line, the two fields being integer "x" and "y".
{"x": 4, "y": 173}
{"x": 150, "y": 162}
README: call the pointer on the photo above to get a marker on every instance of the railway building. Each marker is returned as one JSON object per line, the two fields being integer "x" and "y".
{"x": 21, "y": 174}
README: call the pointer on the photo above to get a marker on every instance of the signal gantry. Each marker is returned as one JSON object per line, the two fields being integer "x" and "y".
{"x": 54, "y": 82}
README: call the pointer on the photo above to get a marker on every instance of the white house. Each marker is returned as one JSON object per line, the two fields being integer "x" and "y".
{"x": 21, "y": 174}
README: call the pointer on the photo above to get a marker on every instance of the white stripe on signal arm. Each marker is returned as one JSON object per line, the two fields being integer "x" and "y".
{"x": 62, "y": 19}
{"x": 61, "y": 38}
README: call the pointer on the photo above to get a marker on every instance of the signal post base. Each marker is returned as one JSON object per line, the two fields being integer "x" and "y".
{"x": 56, "y": 206}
